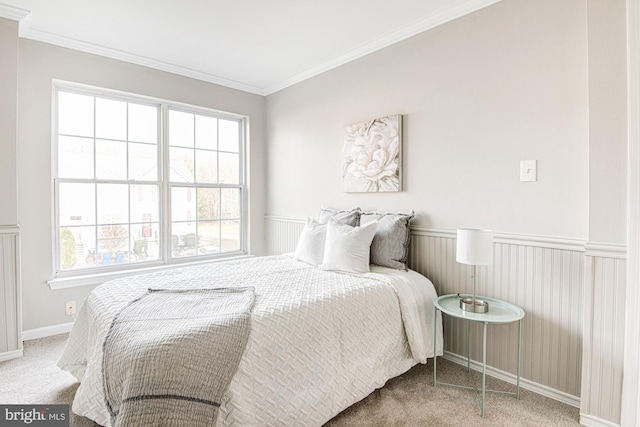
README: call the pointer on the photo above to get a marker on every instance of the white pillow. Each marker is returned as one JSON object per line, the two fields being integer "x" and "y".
{"x": 347, "y": 248}
{"x": 310, "y": 247}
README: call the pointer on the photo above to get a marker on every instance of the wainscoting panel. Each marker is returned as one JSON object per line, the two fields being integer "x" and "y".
{"x": 544, "y": 276}
{"x": 10, "y": 296}
{"x": 605, "y": 289}
{"x": 282, "y": 234}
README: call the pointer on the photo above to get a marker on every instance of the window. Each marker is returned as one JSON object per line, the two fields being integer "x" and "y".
{"x": 142, "y": 181}
{"x": 204, "y": 178}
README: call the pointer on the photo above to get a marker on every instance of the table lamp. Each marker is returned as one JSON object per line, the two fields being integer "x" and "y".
{"x": 474, "y": 247}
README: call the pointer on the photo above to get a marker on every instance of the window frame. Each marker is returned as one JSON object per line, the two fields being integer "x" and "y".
{"x": 165, "y": 258}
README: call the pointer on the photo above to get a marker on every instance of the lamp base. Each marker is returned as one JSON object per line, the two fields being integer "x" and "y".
{"x": 474, "y": 305}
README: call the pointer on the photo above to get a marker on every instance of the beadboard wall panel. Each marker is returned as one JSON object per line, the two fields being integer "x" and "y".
{"x": 282, "y": 234}
{"x": 544, "y": 276}
{"x": 10, "y": 296}
{"x": 604, "y": 332}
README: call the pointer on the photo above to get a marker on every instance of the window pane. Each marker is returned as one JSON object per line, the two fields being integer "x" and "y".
{"x": 209, "y": 238}
{"x": 143, "y": 162}
{"x": 230, "y": 203}
{"x": 77, "y": 247}
{"x": 183, "y": 239}
{"x": 111, "y": 160}
{"x": 181, "y": 129}
{"x": 110, "y": 189}
{"x": 229, "y": 168}
{"x": 208, "y": 203}
{"x": 111, "y": 119}
{"x": 229, "y": 138}
{"x": 181, "y": 164}
{"x": 145, "y": 242}
{"x": 73, "y": 251}
{"x": 143, "y": 123}
{"x": 230, "y": 235}
{"x": 75, "y": 114}
{"x": 113, "y": 203}
{"x": 206, "y": 166}
{"x": 183, "y": 204}
{"x": 144, "y": 203}
{"x": 76, "y": 204}
{"x": 113, "y": 244}
{"x": 75, "y": 157}
{"x": 206, "y": 132}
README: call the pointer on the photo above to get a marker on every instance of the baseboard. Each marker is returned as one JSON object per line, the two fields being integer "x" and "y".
{"x": 510, "y": 378}
{"x": 591, "y": 421}
{"x": 14, "y": 354}
{"x": 46, "y": 331}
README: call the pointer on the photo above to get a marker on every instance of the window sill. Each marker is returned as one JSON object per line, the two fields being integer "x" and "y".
{"x": 95, "y": 279}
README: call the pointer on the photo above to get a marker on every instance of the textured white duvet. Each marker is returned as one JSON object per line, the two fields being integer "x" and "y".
{"x": 320, "y": 340}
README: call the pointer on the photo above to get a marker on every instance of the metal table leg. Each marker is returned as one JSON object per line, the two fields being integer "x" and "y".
{"x": 435, "y": 339}
{"x": 484, "y": 366}
{"x": 519, "y": 347}
{"x": 468, "y": 346}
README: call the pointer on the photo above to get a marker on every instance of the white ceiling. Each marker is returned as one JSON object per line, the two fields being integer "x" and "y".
{"x": 259, "y": 46}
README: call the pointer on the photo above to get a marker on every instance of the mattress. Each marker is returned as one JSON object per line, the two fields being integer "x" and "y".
{"x": 320, "y": 340}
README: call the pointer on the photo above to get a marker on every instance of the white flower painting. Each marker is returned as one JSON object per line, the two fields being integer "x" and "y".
{"x": 372, "y": 156}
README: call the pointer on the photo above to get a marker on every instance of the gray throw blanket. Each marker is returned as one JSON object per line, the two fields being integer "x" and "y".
{"x": 170, "y": 355}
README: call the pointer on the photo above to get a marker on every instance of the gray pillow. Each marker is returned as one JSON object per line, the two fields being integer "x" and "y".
{"x": 390, "y": 246}
{"x": 350, "y": 217}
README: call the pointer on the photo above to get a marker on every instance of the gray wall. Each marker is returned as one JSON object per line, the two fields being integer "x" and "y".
{"x": 39, "y": 64}
{"x": 479, "y": 94}
{"x": 8, "y": 114}
{"x": 10, "y": 306}
{"x": 605, "y": 276}
{"x": 607, "y": 121}
{"x": 522, "y": 79}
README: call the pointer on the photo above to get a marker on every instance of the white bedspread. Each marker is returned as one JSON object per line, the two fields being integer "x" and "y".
{"x": 320, "y": 340}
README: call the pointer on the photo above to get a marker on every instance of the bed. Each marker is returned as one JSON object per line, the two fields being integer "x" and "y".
{"x": 320, "y": 340}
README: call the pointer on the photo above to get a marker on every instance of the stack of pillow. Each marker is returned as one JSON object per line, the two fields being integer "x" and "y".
{"x": 350, "y": 240}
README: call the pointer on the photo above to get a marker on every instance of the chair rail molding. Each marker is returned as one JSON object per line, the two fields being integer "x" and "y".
{"x": 606, "y": 250}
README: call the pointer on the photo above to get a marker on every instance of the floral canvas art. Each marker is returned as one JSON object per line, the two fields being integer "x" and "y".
{"x": 372, "y": 156}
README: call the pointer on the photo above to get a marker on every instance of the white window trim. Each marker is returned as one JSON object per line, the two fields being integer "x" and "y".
{"x": 94, "y": 276}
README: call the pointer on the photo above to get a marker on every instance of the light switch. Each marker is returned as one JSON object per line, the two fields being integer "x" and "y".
{"x": 528, "y": 170}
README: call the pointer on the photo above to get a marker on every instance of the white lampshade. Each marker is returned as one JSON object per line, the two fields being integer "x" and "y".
{"x": 474, "y": 247}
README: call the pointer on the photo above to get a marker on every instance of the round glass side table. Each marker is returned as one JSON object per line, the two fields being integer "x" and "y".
{"x": 499, "y": 312}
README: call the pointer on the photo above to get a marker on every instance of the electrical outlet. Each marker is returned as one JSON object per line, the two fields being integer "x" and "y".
{"x": 70, "y": 308}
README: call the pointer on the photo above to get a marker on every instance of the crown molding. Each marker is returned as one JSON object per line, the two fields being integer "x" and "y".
{"x": 12, "y": 12}
{"x": 47, "y": 37}
{"x": 396, "y": 36}
{"x": 402, "y": 33}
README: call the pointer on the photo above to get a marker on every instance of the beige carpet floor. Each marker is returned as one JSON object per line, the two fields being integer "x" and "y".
{"x": 408, "y": 400}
